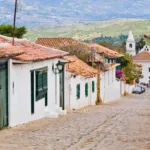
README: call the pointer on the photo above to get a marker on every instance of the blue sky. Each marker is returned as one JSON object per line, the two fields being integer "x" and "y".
{"x": 34, "y": 12}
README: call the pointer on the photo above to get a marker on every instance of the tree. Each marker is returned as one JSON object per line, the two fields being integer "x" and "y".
{"x": 7, "y": 30}
{"x": 132, "y": 71}
{"x": 119, "y": 48}
{"x": 77, "y": 50}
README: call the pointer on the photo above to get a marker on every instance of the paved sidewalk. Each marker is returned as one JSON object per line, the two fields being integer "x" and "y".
{"x": 121, "y": 125}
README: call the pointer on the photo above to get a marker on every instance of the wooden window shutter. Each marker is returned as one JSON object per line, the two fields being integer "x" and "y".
{"x": 32, "y": 92}
{"x": 86, "y": 89}
{"x": 78, "y": 91}
{"x": 93, "y": 86}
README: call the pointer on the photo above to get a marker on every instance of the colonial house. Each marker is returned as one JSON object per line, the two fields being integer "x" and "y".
{"x": 105, "y": 58}
{"x": 143, "y": 58}
{"x": 81, "y": 83}
{"x": 6, "y": 53}
{"x": 30, "y": 90}
{"x": 108, "y": 83}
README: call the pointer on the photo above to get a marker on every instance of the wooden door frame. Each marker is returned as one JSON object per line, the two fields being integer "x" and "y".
{"x": 4, "y": 65}
{"x": 62, "y": 75}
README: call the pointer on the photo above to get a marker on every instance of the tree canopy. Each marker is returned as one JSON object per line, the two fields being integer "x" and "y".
{"x": 118, "y": 48}
{"x": 75, "y": 49}
{"x": 131, "y": 70}
{"x": 7, "y": 30}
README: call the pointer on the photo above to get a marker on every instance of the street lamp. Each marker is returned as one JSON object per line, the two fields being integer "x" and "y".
{"x": 59, "y": 67}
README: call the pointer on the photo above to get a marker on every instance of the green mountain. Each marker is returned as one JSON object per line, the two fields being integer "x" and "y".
{"x": 88, "y": 31}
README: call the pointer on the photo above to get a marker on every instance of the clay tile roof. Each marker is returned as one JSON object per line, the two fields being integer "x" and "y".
{"x": 32, "y": 51}
{"x": 78, "y": 67}
{"x": 97, "y": 58}
{"x": 7, "y": 50}
{"x": 144, "y": 55}
{"x": 59, "y": 42}
{"x": 106, "y": 51}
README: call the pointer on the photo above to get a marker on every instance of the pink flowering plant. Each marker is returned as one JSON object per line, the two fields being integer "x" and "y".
{"x": 119, "y": 74}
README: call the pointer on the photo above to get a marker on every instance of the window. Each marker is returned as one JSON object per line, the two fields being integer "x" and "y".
{"x": 130, "y": 45}
{"x": 106, "y": 60}
{"x": 41, "y": 84}
{"x": 78, "y": 91}
{"x": 38, "y": 86}
{"x": 93, "y": 86}
{"x": 86, "y": 89}
{"x": 149, "y": 69}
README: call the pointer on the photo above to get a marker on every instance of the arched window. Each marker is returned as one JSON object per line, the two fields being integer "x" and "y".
{"x": 130, "y": 45}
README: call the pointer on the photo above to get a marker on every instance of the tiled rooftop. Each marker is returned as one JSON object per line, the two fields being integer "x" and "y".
{"x": 61, "y": 42}
{"x": 31, "y": 51}
{"x": 106, "y": 51}
{"x": 6, "y": 50}
{"x": 145, "y": 55}
{"x": 78, "y": 67}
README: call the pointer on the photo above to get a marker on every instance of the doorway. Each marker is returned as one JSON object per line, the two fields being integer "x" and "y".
{"x": 3, "y": 96}
{"x": 62, "y": 95}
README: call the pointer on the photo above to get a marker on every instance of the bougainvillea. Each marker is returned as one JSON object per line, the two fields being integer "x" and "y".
{"x": 119, "y": 74}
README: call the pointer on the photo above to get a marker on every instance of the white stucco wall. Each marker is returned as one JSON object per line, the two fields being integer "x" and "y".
{"x": 126, "y": 88}
{"x": 20, "y": 95}
{"x": 110, "y": 87}
{"x": 130, "y": 50}
{"x": 71, "y": 98}
{"x": 145, "y": 71}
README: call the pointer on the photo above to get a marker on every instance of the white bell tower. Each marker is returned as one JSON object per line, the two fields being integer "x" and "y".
{"x": 131, "y": 45}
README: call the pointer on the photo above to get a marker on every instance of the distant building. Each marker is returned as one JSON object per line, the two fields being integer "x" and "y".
{"x": 131, "y": 44}
{"x": 143, "y": 58}
{"x": 141, "y": 54}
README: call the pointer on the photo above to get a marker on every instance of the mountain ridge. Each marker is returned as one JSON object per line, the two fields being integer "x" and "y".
{"x": 49, "y": 12}
{"x": 88, "y": 31}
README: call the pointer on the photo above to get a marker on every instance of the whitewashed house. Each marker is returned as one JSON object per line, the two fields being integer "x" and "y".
{"x": 32, "y": 92}
{"x": 143, "y": 58}
{"x": 101, "y": 56}
{"x": 81, "y": 84}
{"x": 108, "y": 82}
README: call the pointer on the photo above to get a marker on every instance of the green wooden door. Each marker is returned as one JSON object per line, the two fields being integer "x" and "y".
{"x": 3, "y": 98}
{"x": 62, "y": 104}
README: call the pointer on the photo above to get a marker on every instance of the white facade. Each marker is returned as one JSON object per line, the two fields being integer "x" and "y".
{"x": 126, "y": 88}
{"x": 110, "y": 87}
{"x": 145, "y": 48}
{"x": 71, "y": 91}
{"x": 19, "y": 95}
{"x": 145, "y": 70}
{"x": 131, "y": 44}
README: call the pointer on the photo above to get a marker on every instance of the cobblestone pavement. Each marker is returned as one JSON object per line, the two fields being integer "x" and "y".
{"x": 121, "y": 125}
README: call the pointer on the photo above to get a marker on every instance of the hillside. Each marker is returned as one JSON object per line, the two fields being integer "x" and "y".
{"x": 60, "y": 12}
{"x": 89, "y": 31}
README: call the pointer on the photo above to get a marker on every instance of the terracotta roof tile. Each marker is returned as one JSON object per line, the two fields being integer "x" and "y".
{"x": 6, "y": 50}
{"x": 59, "y": 42}
{"x": 32, "y": 51}
{"x": 145, "y": 55}
{"x": 78, "y": 67}
{"x": 106, "y": 51}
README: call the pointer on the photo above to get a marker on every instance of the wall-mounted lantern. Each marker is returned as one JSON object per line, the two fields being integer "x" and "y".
{"x": 59, "y": 67}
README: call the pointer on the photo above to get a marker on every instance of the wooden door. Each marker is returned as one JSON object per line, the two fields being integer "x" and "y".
{"x": 62, "y": 104}
{"x": 3, "y": 98}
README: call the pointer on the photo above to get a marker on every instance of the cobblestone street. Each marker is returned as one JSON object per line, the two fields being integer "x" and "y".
{"x": 121, "y": 125}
